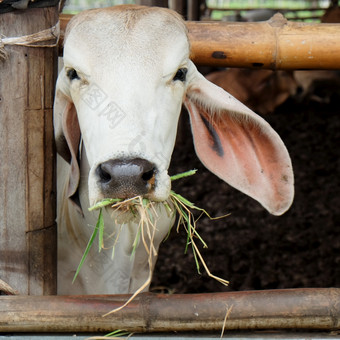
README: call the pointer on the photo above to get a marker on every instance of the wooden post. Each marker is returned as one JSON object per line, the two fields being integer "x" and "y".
{"x": 159, "y": 3}
{"x": 194, "y": 10}
{"x": 178, "y": 6}
{"x": 27, "y": 190}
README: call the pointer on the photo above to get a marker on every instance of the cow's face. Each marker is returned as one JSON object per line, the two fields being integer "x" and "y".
{"x": 127, "y": 72}
{"x": 127, "y": 81}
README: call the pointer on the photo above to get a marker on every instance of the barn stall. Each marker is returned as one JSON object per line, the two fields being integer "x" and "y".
{"x": 249, "y": 274}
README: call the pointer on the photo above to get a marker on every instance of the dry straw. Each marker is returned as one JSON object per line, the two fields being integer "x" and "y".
{"x": 145, "y": 211}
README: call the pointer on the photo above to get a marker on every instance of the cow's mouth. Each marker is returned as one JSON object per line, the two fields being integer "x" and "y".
{"x": 133, "y": 209}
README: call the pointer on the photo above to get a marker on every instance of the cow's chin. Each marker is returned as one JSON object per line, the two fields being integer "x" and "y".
{"x": 124, "y": 214}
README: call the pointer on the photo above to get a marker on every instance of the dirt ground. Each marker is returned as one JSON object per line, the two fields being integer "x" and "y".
{"x": 251, "y": 248}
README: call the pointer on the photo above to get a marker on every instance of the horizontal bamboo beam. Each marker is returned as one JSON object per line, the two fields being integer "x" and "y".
{"x": 273, "y": 44}
{"x": 278, "y": 9}
{"x": 301, "y": 309}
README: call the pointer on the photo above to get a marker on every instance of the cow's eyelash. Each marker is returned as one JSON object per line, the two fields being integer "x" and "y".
{"x": 72, "y": 74}
{"x": 181, "y": 74}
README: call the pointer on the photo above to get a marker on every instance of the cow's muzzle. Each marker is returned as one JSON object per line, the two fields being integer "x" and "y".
{"x": 126, "y": 178}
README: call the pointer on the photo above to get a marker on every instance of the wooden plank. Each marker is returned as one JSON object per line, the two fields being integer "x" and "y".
{"x": 13, "y": 251}
{"x": 27, "y": 189}
{"x": 291, "y": 309}
{"x": 273, "y": 44}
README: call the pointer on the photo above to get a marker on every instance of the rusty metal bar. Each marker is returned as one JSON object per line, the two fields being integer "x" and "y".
{"x": 302, "y": 309}
{"x": 273, "y": 44}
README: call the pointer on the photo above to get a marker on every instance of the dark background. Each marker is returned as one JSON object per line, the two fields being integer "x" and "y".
{"x": 251, "y": 248}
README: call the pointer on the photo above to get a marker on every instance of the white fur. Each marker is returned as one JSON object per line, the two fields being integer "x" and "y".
{"x": 128, "y": 106}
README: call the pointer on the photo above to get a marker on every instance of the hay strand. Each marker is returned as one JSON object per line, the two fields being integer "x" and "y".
{"x": 147, "y": 215}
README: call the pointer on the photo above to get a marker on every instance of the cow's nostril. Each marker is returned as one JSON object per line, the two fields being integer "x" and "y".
{"x": 147, "y": 176}
{"x": 103, "y": 174}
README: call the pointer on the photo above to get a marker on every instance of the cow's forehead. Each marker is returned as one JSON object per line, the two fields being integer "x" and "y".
{"x": 149, "y": 33}
{"x": 108, "y": 26}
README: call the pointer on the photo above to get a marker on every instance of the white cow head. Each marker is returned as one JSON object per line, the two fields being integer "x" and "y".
{"x": 126, "y": 74}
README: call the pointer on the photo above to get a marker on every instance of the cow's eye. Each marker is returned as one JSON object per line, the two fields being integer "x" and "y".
{"x": 181, "y": 74}
{"x": 72, "y": 74}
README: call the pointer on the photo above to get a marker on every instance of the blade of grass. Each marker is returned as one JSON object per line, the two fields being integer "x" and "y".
{"x": 186, "y": 222}
{"x": 193, "y": 206}
{"x": 183, "y": 216}
{"x": 118, "y": 333}
{"x": 113, "y": 335}
{"x": 88, "y": 247}
{"x": 180, "y": 198}
{"x": 183, "y": 174}
{"x": 100, "y": 225}
{"x": 115, "y": 241}
{"x": 135, "y": 242}
{"x": 105, "y": 202}
{"x": 180, "y": 210}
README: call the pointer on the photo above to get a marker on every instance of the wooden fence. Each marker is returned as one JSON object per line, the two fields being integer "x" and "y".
{"x": 27, "y": 191}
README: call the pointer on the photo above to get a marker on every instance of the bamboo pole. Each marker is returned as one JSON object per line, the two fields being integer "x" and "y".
{"x": 273, "y": 44}
{"x": 271, "y": 8}
{"x": 301, "y": 309}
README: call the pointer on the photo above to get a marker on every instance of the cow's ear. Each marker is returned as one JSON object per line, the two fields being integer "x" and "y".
{"x": 239, "y": 146}
{"x": 67, "y": 133}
